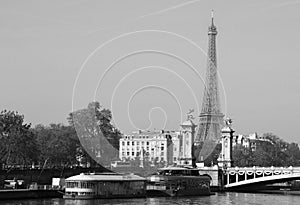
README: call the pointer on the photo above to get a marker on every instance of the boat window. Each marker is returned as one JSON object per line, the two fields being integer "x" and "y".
{"x": 72, "y": 184}
{"x": 179, "y": 172}
{"x": 195, "y": 173}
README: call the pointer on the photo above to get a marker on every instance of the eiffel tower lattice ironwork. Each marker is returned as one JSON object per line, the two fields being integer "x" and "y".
{"x": 211, "y": 117}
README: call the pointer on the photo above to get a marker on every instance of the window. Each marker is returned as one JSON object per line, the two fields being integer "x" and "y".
{"x": 132, "y": 143}
{"x": 147, "y": 143}
{"x": 84, "y": 185}
{"x": 132, "y": 153}
{"x": 128, "y": 143}
{"x": 162, "y": 148}
{"x": 123, "y": 143}
{"x": 127, "y": 153}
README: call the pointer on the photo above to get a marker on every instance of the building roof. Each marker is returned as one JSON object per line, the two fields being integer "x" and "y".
{"x": 227, "y": 129}
{"x": 178, "y": 168}
{"x": 188, "y": 123}
{"x": 105, "y": 177}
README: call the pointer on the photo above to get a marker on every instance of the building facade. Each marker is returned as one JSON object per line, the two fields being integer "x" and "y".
{"x": 166, "y": 147}
{"x": 154, "y": 146}
{"x": 251, "y": 141}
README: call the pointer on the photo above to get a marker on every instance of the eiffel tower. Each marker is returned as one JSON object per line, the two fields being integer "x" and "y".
{"x": 211, "y": 118}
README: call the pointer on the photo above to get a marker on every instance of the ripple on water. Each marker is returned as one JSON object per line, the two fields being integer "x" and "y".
{"x": 229, "y": 198}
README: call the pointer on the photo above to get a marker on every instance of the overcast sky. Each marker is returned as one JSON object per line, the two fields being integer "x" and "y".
{"x": 54, "y": 54}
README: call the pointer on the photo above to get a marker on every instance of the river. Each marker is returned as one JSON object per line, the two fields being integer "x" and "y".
{"x": 229, "y": 198}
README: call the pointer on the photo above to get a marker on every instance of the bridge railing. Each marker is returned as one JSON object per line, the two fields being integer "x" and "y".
{"x": 236, "y": 174}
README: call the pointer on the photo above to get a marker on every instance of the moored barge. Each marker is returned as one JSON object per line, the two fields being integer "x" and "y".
{"x": 178, "y": 181}
{"x": 105, "y": 185}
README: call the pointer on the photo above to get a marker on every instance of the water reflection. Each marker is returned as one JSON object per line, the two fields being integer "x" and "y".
{"x": 217, "y": 199}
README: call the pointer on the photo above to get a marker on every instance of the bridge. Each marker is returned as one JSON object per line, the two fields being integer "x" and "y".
{"x": 239, "y": 177}
{"x": 225, "y": 176}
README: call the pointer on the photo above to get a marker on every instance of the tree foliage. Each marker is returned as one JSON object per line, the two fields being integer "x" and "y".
{"x": 18, "y": 145}
{"x": 269, "y": 151}
{"x": 100, "y": 139}
{"x": 58, "y": 145}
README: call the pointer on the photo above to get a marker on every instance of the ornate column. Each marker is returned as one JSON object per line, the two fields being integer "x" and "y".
{"x": 188, "y": 133}
{"x": 225, "y": 158}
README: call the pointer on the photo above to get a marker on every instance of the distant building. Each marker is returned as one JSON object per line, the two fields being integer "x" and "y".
{"x": 250, "y": 141}
{"x": 154, "y": 146}
{"x": 166, "y": 147}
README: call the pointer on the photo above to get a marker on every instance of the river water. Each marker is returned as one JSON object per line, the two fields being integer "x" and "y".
{"x": 228, "y": 198}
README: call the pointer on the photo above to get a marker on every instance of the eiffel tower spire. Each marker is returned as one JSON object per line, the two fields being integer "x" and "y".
{"x": 211, "y": 118}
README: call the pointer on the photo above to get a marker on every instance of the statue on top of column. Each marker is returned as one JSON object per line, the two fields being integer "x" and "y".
{"x": 228, "y": 122}
{"x": 190, "y": 114}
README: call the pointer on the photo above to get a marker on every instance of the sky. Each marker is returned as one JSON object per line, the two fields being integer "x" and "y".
{"x": 146, "y": 61}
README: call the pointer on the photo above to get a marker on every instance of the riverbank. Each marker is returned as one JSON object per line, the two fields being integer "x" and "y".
{"x": 43, "y": 176}
{"x": 30, "y": 194}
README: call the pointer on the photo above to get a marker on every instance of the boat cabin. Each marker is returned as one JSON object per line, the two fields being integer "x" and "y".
{"x": 178, "y": 171}
{"x": 105, "y": 185}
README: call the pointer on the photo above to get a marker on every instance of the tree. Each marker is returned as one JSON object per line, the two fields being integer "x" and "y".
{"x": 294, "y": 154}
{"x": 275, "y": 148}
{"x": 262, "y": 156}
{"x": 99, "y": 138}
{"x": 270, "y": 150}
{"x": 213, "y": 157}
{"x": 58, "y": 145}
{"x": 242, "y": 156}
{"x": 211, "y": 151}
{"x": 18, "y": 146}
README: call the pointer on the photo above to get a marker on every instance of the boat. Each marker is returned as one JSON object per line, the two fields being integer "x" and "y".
{"x": 15, "y": 189}
{"x": 178, "y": 181}
{"x": 105, "y": 185}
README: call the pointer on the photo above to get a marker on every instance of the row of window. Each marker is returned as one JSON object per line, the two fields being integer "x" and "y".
{"x": 85, "y": 185}
{"x": 138, "y": 154}
{"x": 136, "y": 143}
{"x": 147, "y": 148}
{"x": 145, "y": 137}
{"x": 102, "y": 185}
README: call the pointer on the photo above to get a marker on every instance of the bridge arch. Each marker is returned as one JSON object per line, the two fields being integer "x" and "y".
{"x": 248, "y": 176}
